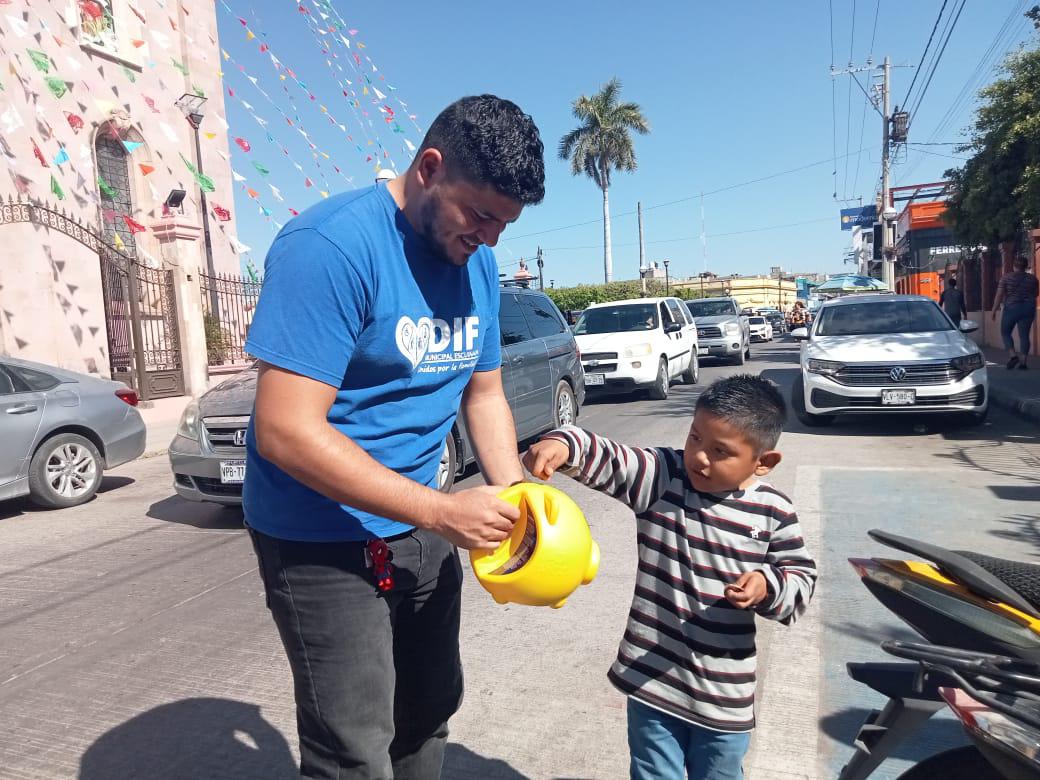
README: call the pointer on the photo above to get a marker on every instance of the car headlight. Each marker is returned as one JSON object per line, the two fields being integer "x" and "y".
{"x": 969, "y": 363}
{"x": 188, "y": 427}
{"x": 732, "y": 328}
{"x": 825, "y": 367}
{"x": 638, "y": 350}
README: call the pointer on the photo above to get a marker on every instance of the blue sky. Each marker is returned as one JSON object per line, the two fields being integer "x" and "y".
{"x": 733, "y": 92}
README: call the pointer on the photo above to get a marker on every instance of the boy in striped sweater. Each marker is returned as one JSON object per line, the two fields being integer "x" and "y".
{"x": 717, "y": 546}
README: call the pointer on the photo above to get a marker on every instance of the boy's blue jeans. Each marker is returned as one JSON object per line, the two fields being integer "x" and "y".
{"x": 666, "y": 748}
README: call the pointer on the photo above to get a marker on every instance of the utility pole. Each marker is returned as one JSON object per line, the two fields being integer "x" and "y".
{"x": 642, "y": 248}
{"x": 894, "y": 127}
{"x": 704, "y": 236}
{"x": 541, "y": 276}
{"x": 888, "y": 275}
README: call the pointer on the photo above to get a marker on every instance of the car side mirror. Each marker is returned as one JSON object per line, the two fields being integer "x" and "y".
{"x": 968, "y": 326}
{"x": 672, "y": 327}
{"x": 800, "y": 334}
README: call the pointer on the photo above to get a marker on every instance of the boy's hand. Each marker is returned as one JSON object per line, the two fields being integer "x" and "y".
{"x": 748, "y": 590}
{"x": 543, "y": 458}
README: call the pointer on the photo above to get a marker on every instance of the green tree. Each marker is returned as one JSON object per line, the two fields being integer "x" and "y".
{"x": 601, "y": 144}
{"x": 997, "y": 191}
{"x": 580, "y": 296}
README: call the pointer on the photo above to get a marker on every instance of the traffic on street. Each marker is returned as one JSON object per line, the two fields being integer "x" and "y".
{"x": 135, "y": 641}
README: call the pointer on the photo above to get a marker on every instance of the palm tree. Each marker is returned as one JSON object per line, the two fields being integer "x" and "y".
{"x": 602, "y": 143}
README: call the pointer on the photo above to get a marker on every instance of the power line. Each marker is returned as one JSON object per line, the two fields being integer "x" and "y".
{"x": 680, "y": 239}
{"x": 927, "y": 46}
{"x": 727, "y": 188}
{"x": 1002, "y": 43}
{"x": 935, "y": 65}
{"x": 863, "y": 117}
{"x": 848, "y": 113}
{"x": 834, "y": 108}
{"x": 938, "y": 154}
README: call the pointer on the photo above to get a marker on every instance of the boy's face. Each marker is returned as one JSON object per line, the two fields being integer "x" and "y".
{"x": 718, "y": 457}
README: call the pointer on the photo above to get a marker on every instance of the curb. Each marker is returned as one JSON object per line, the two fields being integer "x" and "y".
{"x": 1028, "y": 408}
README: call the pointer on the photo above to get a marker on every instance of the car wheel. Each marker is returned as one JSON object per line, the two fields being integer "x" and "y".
{"x": 693, "y": 372}
{"x": 65, "y": 471}
{"x": 659, "y": 389}
{"x": 741, "y": 359}
{"x": 448, "y": 466}
{"x": 747, "y": 352}
{"x": 804, "y": 416}
{"x": 565, "y": 407}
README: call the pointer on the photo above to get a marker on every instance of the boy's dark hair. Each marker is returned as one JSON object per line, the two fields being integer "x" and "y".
{"x": 488, "y": 140}
{"x": 749, "y": 403}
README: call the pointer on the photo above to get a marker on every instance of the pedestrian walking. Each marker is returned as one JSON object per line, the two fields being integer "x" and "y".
{"x": 1017, "y": 290}
{"x": 952, "y": 301}
{"x": 717, "y": 547}
{"x": 377, "y": 325}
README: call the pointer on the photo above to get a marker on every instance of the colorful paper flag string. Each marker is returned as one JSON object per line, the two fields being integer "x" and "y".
{"x": 205, "y": 182}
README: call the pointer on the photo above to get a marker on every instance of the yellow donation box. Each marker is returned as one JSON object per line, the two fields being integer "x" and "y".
{"x": 548, "y": 555}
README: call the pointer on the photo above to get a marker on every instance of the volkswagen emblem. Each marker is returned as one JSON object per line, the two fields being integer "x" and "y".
{"x": 240, "y": 437}
{"x": 898, "y": 374}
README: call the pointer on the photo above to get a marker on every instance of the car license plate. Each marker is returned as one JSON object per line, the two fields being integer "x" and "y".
{"x": 594, "y": 379}
{"x": 702, "y": 350}
{"x": 898, "y": 397}
{"x": 232, "y": 472}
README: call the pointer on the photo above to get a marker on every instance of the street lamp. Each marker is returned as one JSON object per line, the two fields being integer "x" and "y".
{"x": 705, "y": 275}
{"x": 666, "y": 262}
{"x": 192, "y": 106}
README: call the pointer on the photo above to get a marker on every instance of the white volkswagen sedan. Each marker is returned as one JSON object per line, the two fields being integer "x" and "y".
{"x": 888, "y": 353}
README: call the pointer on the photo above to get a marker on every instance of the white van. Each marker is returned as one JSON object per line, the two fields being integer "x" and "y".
{"x": 638, "y": 343}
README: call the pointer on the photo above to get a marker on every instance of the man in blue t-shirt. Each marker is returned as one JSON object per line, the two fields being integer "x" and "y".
{"x": 377, "y": 325}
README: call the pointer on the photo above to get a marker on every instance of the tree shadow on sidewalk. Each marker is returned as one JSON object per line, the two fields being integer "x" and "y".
{"x": 1020, "y": 528}
{"x": 192, "y": 738}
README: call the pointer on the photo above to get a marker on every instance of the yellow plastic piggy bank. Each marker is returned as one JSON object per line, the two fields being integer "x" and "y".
{"x": 548, "y": 555}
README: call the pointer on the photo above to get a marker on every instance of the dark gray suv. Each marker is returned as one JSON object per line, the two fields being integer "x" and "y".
{"x": 541, "y": 373}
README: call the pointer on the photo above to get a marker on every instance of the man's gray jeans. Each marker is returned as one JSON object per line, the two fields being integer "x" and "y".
{"x": 377, "y": 675}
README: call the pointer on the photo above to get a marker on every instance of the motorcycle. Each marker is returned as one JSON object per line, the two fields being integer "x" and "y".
{"x": 981, "y": 617}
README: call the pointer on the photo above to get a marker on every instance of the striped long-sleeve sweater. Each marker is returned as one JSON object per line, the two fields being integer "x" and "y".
{"x": 686, "y": 650}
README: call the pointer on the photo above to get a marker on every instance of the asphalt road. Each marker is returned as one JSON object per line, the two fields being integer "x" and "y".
{"x": 134, "y": 640}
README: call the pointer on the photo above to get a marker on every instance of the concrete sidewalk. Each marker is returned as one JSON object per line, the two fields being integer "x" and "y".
{"x": 1016, "y": 391}
{"x": 161, "y": 418}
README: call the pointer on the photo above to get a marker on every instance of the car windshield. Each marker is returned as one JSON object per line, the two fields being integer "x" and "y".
{"x": 880, "y": 318}
{"x": 710, "y": 308}
{"x": 757, "y": 320}
{"x": 617, "y": 319}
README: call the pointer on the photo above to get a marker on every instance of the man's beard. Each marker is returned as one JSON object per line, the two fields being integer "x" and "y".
{"x": 429, "y": 217}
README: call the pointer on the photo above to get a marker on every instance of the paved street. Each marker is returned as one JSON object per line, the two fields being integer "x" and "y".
{"x": 134, "y": 640}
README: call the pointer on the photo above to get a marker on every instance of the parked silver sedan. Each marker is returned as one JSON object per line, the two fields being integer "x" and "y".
{"x": 61, "y": 430}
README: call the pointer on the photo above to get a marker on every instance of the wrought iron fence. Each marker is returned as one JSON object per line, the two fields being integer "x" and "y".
{"x": 228, "y": 303}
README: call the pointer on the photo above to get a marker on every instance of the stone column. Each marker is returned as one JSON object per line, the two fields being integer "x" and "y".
{"x": 182, "y": 254}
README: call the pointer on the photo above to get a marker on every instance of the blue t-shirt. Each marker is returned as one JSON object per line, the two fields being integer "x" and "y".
{"x": 354, "y": 298}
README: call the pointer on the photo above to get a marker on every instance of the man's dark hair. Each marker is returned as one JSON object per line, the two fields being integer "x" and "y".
{"x": 749, "y": 403}
{"x": 488, "y": 140}
{"x": 1021, "y": 262}
{"x": 951, "y": 282}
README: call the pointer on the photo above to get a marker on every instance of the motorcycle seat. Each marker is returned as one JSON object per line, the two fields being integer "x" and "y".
{"x": 1021, "y": 577}
{"x": 976, "y": 577}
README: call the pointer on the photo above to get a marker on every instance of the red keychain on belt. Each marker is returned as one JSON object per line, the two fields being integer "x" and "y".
{"x": 379, "y": 556}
